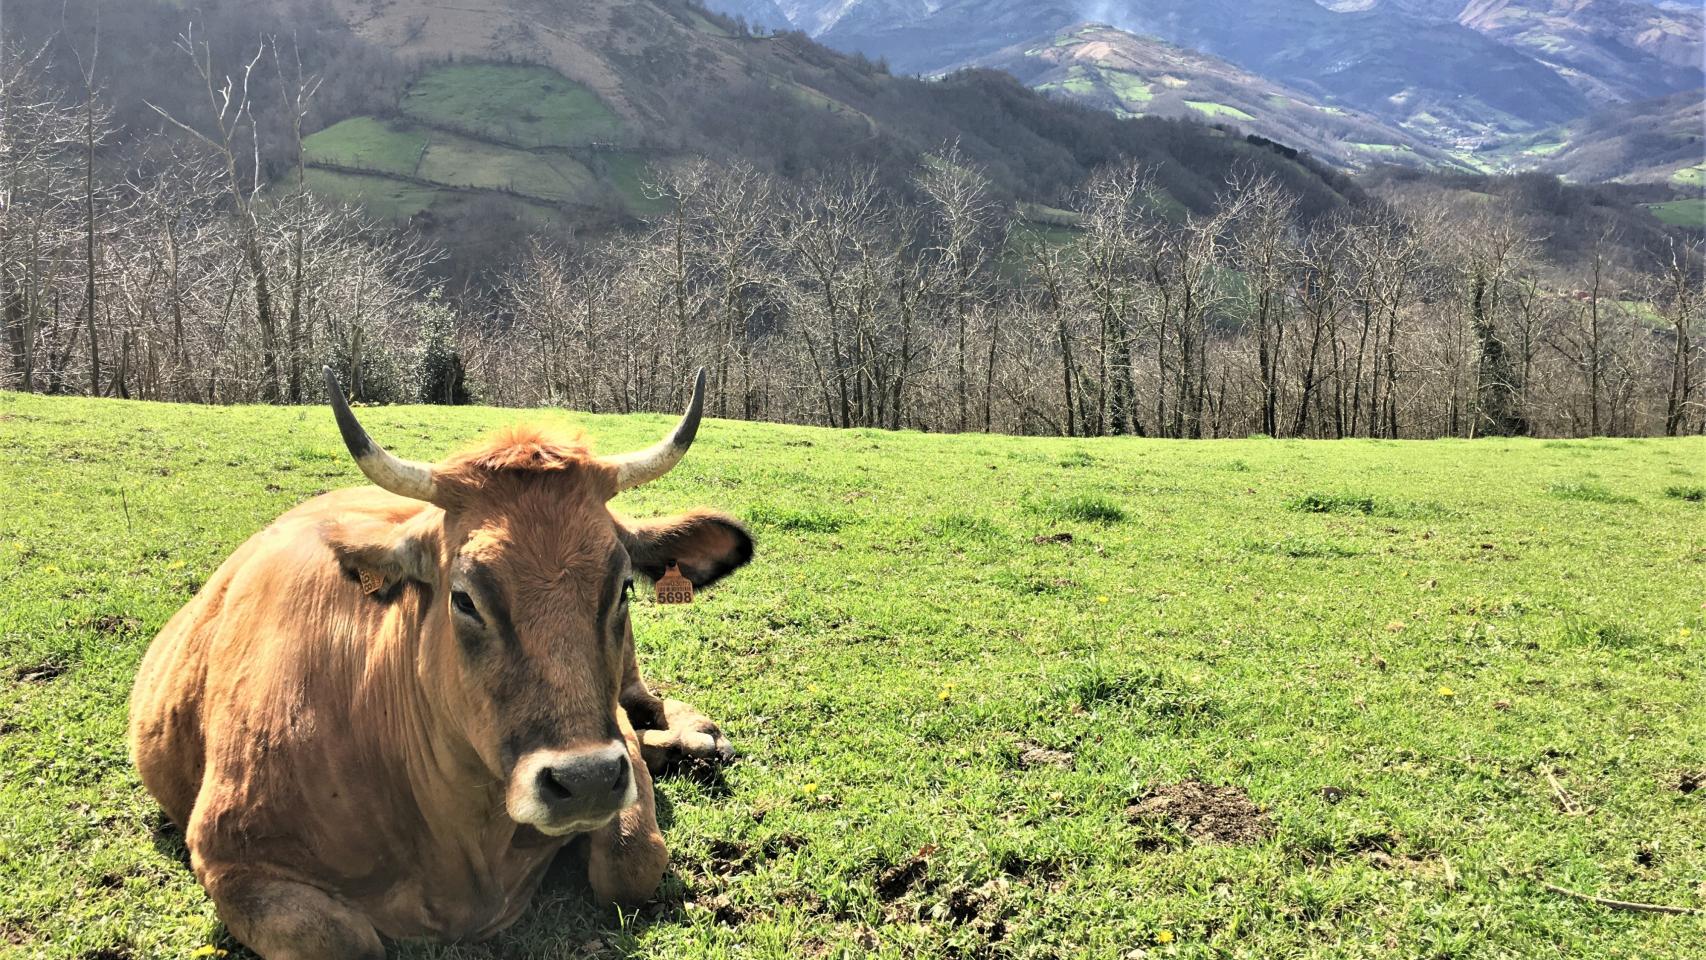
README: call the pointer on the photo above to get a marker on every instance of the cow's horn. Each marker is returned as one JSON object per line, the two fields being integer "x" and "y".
{"x": 644, "y": 466}
{"x": 405, "y": 478}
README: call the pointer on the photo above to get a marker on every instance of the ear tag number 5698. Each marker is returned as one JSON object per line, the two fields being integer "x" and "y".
{"x": 673, "y": 587}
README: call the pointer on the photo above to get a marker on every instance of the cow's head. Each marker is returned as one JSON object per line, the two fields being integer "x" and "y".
{"x": 528, "y": 575}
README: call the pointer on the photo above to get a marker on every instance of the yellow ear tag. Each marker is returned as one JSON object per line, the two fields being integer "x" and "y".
{"x": 673, "y": 587}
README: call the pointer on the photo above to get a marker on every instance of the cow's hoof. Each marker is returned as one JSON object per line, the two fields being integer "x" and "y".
{"x": 689, "y": 741}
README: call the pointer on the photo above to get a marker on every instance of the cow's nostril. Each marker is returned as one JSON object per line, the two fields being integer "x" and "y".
{"x": 620, "y": 784}
{"x": 552, "y": 787}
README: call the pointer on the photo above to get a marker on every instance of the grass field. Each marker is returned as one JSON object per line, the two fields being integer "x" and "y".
{"x": 528, "y": 106}
{"x": 378, "y": 196}
{"x": 1129, "y": 87}
{"x": 548, "y": 175}
{"x": 1690, "y": 212}
{"x": 1216, "y": 110}
{"x": 996, "y": 697}
{"x": 367, "y": 143}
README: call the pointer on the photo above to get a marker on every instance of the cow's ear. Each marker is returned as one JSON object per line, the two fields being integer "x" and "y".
{"x": 382, "y": 554}
{"x": 706, "y": 546}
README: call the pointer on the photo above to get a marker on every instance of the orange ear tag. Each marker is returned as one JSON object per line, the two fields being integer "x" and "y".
{"x": 371, "y": 583}
{"x": 673, "y": 587}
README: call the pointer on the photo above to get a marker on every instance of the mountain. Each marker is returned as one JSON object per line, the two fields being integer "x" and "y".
{"x": 1611, "y": 50}
{"x": 1652, "y": 141}
{"x": 483, "y": 123}
{"x": 1441, "y": 79}
{"x": 763, "y": 14}
{"x": 1462, "y": 75}
{"x": 1589, "y": 41}
{"x": 1131, "y": 75}
{"x": 643, "y": 81}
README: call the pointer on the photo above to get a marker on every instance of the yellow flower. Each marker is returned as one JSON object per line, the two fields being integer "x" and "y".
{"x": 1685, "y": 633}
{"x": 946, "y": 693}
{"x": 50, "y": 568}
{"x": 808, "y": 788}
{"x": 1447, "y": 692}
{"x": 1165, "y": 936}
{"x": 1102, "y": 599}
{"x": 208, "y": 950}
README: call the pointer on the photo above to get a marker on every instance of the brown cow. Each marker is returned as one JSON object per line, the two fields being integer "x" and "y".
{"x": 386, "y": 712}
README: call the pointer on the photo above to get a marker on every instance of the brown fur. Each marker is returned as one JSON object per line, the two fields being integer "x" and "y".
{"x": 338, "y": 760}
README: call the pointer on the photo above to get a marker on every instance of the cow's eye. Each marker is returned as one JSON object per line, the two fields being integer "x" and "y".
{"x": 464, "y": 605}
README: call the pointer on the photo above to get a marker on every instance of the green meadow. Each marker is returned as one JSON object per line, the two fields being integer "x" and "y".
{"x": 1689, "y": 212}
{"x": 528, "y": 106}
{"x": 995, "y": 697}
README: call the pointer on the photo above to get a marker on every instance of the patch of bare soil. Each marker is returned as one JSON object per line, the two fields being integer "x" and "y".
{"x": 1039, "y": 756}
{"x": 41, "y": 672}
{"x": 1688, "y": 781}
{"x": 1205, "y": 812}
{"x": 893, "y": 882}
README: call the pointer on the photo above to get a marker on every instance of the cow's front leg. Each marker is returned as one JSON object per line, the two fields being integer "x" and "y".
{"x": 626, "y": 859}
{"x": 671, "y": 732}
{"x": 683, "y": 735}
{"x": 285, "y": 920}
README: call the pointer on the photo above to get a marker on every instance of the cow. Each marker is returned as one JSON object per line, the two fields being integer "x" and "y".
{"x": 386, "y": 713}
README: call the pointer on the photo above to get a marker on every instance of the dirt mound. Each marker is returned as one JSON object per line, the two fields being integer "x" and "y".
{"x": 1204, "y": 812}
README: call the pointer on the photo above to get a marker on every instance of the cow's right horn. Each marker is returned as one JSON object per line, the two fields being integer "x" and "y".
{"x": 405, "y": 478}
{"x": 644, "y": 466}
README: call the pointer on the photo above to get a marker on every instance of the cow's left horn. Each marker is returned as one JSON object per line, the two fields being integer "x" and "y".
{"x": 405, "y": 478}
{"x": 644, "y": 466}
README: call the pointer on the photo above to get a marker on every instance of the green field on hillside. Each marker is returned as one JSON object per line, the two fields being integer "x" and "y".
{"x": 1694, "y": 176}
{"x": 1129, "y": 87}
{"x": 1217, "y": 110}
{"x": 1690, "y": 212}
{"x": 461, "y": 162}
{"x": 995, "y": 697}
{"x": 368, "y": 143}
{"x": 528, "y": 106}
{"x": 378, "y": 196}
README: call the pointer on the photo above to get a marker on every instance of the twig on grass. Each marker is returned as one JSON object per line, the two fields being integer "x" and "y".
{"x": 1566, "y": 803}
{"x": 1622, "y": 904}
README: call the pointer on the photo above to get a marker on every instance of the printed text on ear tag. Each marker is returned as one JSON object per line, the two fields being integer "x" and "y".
{"x": 371, "y": 583}
{"x": 673, "y": 587}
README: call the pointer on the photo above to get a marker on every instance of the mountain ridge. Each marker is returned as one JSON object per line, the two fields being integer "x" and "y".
{"x": 1464, "y": 76}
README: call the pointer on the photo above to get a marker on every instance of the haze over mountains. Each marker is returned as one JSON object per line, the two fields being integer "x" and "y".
{"x": 1469, "y": 78}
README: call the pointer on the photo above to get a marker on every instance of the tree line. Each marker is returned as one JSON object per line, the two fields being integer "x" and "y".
{"x": 841, "y": 298}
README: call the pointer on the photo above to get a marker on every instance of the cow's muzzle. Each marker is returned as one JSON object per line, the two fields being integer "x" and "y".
{"x": 560, "y": 792}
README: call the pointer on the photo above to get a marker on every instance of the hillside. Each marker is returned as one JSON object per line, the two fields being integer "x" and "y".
{"x": 484, "y": 122}
{"x": 1443, "y": 78}
{"x": 966, "y": 674}
{"x": 1652, "y": 141}
{"x": 1464, "y": 77}
{"x": 1611, "y": 50}
{"x": 1129, "y": 75}
{"x": 568, "y": 106}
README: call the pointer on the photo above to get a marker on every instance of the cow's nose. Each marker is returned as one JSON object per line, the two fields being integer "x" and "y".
{"x": 592, "y": 779}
